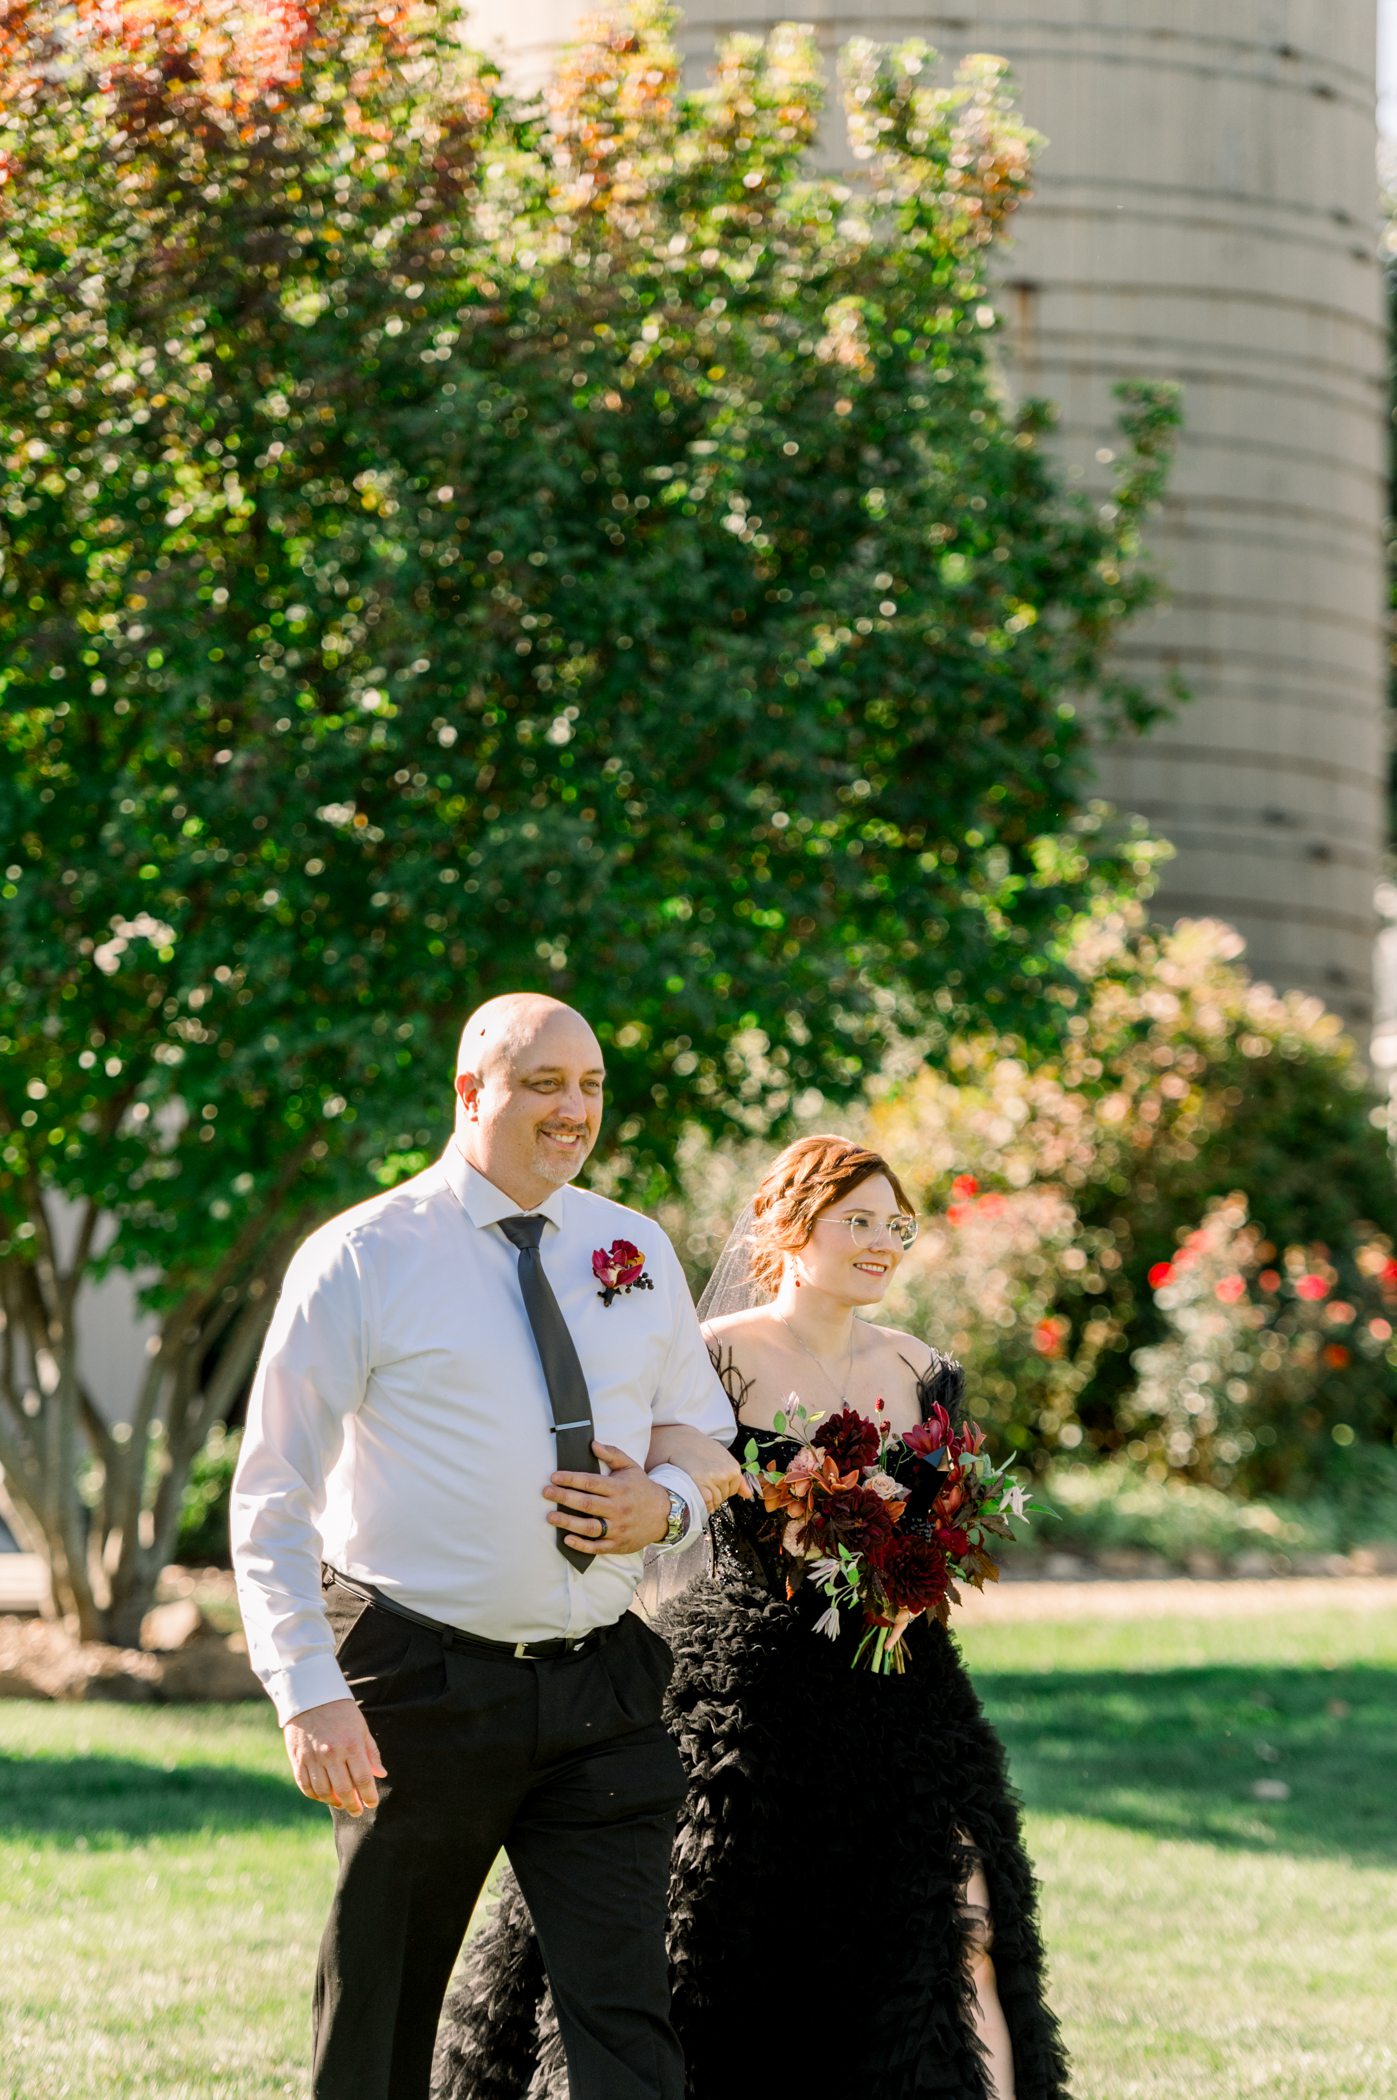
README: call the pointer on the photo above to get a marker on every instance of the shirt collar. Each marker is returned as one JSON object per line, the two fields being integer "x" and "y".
{"x": 482, "y": 1202}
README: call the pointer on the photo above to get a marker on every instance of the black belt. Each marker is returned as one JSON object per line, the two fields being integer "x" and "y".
{"x": 454, "y": 1637}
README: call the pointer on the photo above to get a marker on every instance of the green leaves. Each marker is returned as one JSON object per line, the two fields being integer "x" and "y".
{"x": 448, "y": 549}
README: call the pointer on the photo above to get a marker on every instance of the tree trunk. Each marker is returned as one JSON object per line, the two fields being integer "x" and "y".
{"x": 105, "y": 1560}
{"x": 120, "y": 1623}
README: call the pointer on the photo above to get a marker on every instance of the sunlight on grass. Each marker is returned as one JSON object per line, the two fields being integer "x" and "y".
{"x": 162, "y": 1892}
{"x": 1204, "y": 1940}
{"x": 163, "y": 1886}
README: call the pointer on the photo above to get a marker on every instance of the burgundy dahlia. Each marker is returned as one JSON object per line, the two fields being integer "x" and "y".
{"x": 850, "y": 1439}
{"x": 912, "y": 1571}
{"x": 855, "y": 1517}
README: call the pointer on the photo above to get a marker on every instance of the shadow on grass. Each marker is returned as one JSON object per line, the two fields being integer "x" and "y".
{"x": 109, "y": 1800}
{"x": 1181, "y": 1753}
{"x": 1167, "y": 1753}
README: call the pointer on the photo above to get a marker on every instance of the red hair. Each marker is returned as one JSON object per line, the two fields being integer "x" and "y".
{"x": 800, "y": 1184}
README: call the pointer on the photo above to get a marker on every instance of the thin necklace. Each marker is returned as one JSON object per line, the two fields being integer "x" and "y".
{"x": 843, "y": 1398}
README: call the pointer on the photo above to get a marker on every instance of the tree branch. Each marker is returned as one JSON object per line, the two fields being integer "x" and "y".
{"x": 70, "y": 1281}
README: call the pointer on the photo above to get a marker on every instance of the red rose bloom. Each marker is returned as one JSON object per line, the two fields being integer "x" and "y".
{"x": 954, "y": 1542}
{"x": 854, "y": 1517}
{"x": 850, "y": 1439}
{"x": 912, "y": 1571}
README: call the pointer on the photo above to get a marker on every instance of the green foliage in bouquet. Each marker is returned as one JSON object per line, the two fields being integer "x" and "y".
{"x": 448, "y": 545}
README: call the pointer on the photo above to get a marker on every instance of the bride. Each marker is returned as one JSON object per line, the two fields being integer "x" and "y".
{"x": 850, "y": 1889}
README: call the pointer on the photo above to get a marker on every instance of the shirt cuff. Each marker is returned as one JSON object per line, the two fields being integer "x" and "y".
{"x": 674, "y": 1477}
{"x": 302, "y": 1685}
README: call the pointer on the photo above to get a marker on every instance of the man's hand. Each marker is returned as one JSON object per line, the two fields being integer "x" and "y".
{"x": 712, "y": 1468}
{"x": 334, "y": 1757}
{"x": 619, "y": 1511}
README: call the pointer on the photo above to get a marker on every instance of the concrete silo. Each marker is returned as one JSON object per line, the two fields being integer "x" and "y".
{"x": 1205, "y": 211}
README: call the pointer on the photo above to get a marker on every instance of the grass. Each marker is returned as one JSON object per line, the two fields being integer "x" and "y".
{"x": 162, "y": 1891}
{"x": 1202, "y": 1940}
{"x": 162, "y": 1886}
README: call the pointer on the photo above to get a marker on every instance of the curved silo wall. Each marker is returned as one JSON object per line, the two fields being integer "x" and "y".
{"x": 1205, "y": 211}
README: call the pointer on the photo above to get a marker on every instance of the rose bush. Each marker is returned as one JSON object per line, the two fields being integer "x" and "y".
{"x": 1273, "y": 1358}
{"x": 1058, "y": 1192}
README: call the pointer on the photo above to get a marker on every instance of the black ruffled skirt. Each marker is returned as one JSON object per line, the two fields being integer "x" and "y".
{"x": 819, "y": 1929}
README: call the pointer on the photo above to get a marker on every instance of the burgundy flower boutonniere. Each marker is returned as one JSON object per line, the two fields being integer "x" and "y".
{"x": 619, "y": 1267}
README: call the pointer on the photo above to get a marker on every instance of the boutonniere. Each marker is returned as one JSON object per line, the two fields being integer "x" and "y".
{"x": 619, "y": 1267}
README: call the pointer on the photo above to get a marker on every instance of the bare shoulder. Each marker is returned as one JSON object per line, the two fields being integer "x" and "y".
{"x": 734, "y": 1326}
{"x": 919, "y": 1354}
{"x": 751, "y": 1364}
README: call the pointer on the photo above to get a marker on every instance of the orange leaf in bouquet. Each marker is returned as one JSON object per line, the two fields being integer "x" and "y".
{"x": 980, "y": 1568}
{"x": 793, "y": 1492}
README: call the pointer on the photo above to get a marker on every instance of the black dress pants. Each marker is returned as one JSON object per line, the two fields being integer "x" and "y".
{"x": 564, "y": 1764}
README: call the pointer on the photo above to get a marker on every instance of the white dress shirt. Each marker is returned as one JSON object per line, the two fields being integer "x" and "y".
{"x": 400, "y": 1427}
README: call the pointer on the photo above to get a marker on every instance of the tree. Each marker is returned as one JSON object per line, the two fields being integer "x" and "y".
{"x": 450, "y": 545}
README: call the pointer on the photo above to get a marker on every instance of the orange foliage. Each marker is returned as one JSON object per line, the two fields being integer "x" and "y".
{"x": 237, "y": 60}
{"x": 609, "y": 102}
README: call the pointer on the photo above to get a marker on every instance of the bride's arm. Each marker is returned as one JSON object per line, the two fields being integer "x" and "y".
{"x": 714, "y": 1471}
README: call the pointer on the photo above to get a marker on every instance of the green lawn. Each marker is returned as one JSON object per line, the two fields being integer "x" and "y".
{"x": 162, "y": 1885}
{"x": 1204, "y": 1942}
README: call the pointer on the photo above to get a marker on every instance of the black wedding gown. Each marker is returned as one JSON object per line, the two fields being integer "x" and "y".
{"x": 819, "y": 1934}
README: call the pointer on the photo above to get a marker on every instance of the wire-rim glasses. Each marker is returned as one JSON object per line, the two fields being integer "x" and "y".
{"x": 863, "y": 1227}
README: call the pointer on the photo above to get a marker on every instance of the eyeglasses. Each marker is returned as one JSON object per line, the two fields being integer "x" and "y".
{"x": 863, "y": 1227}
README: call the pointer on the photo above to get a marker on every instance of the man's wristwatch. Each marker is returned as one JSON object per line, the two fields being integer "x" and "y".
{"x": 678, "y": 1518}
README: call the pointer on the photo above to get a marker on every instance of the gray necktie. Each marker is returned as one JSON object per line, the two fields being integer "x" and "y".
{"x": 573, "y": 1427}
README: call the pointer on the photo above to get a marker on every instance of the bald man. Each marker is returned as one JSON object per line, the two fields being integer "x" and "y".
{"x": 439, "y": 1519}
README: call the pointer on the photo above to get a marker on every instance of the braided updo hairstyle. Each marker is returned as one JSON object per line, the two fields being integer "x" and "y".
{"x": 801, "y": 1183}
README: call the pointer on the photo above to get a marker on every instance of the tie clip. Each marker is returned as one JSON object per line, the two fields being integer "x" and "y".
{"x": 584, "y": 1423}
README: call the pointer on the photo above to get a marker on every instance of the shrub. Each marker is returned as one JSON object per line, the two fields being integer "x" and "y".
{"x": 202, "y": 1538}
{"x": 1272, "y": 1361}
{"x": 982, "y": 1282}
{"x": 1183, "y": 1083}
{"x": 1114, "y": 1505}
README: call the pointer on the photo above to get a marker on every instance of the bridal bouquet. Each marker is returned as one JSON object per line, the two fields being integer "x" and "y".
{"x": 886, "y": 1523}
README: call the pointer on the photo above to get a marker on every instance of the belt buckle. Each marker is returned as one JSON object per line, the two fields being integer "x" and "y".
{"x": 521, "y": 1651}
